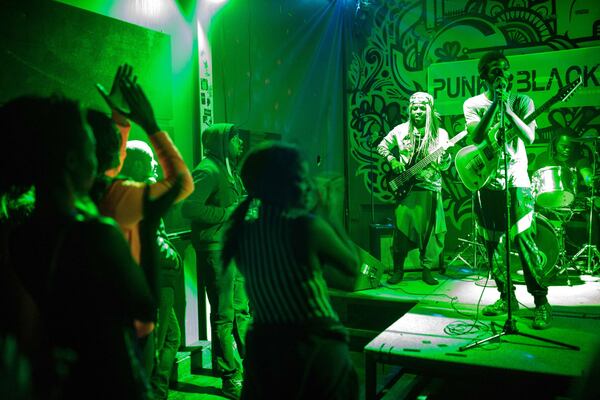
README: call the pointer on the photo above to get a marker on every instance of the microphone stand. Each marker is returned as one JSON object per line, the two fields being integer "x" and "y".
{"x": 510, "y": 325}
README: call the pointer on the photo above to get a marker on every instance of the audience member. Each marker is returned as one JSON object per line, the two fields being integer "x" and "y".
{"x": 122, "y": 199}
{"x": 297, "y": 347}
{"x": 74, "y": 265}
{"x": 218, "y": 191}
{"x": 140, "y": 166}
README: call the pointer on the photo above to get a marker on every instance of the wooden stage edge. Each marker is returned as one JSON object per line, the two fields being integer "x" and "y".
{"x": 414, "y": 328}
{"x": 426, "y": 341}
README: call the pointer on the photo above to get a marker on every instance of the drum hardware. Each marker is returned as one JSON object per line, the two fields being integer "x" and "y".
{"x": 472, "y": 244}
{"x": 590, "y": 251}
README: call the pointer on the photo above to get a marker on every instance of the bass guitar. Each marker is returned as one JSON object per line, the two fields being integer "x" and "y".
{"x": 403, "y": 182}
{"x": 476, "y": 163}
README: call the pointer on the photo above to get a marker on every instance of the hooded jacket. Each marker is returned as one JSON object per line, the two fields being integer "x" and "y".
{"x": 218, "y": 189}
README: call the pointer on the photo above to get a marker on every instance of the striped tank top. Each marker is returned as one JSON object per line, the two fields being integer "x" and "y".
{"x": 282, "y": 286}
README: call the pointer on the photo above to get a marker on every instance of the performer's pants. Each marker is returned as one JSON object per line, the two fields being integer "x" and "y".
{"x": 490, "y": 208}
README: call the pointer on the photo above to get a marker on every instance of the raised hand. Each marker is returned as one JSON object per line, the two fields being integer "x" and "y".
{"x": 141, "y": 111}
{"x": 115, "y": 99}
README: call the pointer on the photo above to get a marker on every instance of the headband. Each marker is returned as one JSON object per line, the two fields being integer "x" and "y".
{"x": 421, "y": 97}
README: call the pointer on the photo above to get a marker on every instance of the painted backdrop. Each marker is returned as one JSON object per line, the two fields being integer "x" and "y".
{"x": 398, "y": 47}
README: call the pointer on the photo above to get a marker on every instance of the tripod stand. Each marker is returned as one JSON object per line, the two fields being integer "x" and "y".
{"x": 510, "y": 326}
{"x": 472, "y": 243}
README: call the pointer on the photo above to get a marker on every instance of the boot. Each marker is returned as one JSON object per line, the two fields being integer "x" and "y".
{"x": 398, "y": 274}
{"x": 428, "y": 277}
{"x": 396, "y": 277}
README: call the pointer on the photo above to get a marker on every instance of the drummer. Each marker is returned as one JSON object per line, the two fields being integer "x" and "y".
{"x": 563, "y": 151}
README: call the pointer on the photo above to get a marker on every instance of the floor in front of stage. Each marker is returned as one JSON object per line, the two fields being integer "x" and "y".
{"x": 456, "y": 303}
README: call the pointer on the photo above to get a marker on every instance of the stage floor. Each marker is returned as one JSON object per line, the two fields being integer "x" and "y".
{"x": 423, "y": 314}
{"x": 426, "y": 340}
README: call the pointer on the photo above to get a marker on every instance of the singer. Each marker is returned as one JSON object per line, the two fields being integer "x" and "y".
{"x": 483, "y": 115}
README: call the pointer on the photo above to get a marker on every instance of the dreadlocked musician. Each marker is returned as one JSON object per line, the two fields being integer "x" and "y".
{"x": 419, "y": 215}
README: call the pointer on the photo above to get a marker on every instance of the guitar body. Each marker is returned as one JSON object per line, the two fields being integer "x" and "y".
{"x": 475, "y": 164}
{"x": 400, "y": 187}
{"x": 402, "y": 183}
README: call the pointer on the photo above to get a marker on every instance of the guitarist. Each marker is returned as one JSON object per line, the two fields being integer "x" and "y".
{"x": 419, "y": 216}
{"x": 482, "y": 117}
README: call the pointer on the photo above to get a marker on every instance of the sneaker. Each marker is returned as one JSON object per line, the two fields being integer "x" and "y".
{"x": 396, "y": 277}
{"x": 499, "y": 307}
{"x": 542, "y": 317}
{"x": 232, "y": 388}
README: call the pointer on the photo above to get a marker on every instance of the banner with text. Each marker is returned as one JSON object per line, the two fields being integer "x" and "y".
{"x": 538, "y": 75}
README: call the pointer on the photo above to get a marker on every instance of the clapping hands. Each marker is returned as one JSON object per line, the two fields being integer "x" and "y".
{"x": 128, "y": 99}
{"x": 115, "y": 99}
{"x": 141, "y": 111}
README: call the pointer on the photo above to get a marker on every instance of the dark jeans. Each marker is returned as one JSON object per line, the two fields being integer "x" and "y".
{"x": 491, "y": 212}
{"x": 167, "y": 339}
{"x": 229, "y": 315}
{"x": 294, "y": 363}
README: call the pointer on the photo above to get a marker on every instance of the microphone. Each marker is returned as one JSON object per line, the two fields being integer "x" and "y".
{"x": 500, "y": 83}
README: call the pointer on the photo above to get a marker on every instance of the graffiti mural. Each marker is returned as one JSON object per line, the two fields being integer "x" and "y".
{"x": 394, "y": 44}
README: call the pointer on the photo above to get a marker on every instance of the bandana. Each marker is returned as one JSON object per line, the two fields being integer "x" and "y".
{"x": 421, "y": 97}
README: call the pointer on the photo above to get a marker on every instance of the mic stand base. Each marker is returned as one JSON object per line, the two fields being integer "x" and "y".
{"x": 510, "y": 328}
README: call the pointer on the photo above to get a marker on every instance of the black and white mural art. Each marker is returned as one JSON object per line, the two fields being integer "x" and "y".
{"x": 399, "y": 47}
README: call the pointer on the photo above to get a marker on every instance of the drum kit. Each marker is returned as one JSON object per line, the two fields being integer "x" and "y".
{"x": 558, "y": 204}
{"x": 567, "y": 220}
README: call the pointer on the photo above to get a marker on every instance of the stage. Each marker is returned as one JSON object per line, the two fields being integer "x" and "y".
{"x": 428, "y": 324}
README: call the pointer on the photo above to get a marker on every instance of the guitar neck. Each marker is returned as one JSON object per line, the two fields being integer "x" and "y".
{"x": 535, "y": 114}
{"x": 424, "y": 162}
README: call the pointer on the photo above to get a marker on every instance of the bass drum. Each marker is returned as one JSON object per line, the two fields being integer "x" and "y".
{"x": 549, "y": 246}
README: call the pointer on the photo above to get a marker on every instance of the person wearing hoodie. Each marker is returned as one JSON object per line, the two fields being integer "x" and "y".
{"x": 218, "y": 192}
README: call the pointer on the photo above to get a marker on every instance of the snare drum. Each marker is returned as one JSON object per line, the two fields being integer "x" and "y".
{"x": 553, "y": 187}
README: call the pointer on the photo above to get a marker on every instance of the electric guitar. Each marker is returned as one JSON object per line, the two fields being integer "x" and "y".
{"x": 476, "y": 163}
{"x": 403, "y": 182}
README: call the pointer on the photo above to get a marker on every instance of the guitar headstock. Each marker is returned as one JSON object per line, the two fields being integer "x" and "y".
{"x": 566, "y": 91}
